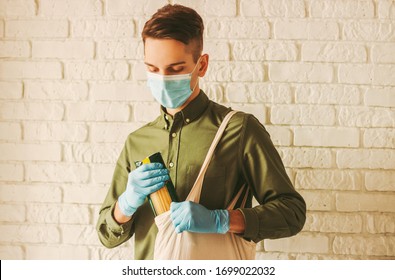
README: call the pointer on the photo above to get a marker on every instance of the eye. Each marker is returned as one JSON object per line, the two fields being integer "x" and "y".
{"x": 152, "y": 69}
{"x": 176, "y": 69}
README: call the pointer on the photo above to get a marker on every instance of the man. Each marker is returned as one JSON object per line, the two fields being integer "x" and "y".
{"x": 188, "y": 121}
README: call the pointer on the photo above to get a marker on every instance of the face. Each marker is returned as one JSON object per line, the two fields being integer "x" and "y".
{"x": 171, "y": 57}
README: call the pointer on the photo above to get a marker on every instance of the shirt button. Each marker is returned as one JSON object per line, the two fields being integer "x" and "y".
{"x": 174, "y": 134}
{"x": 187, "y": 120}
{"x": 171, "y": 164}
{"x": 166, "y": 117}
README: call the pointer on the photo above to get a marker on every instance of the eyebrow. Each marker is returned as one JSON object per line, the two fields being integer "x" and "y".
{"x": 170, "y": 65}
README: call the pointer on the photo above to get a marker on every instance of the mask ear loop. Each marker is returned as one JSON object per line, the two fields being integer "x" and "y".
{"x": 197, "y": 78}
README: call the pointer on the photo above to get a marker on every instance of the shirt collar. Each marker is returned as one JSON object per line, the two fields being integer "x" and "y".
{"x": 192, "y": 111}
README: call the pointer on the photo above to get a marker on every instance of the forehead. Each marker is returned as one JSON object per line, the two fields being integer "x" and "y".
{"x": 166, "y": 51}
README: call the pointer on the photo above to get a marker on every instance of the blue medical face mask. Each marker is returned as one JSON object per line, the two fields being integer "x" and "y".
{"x": 171, "y": 91}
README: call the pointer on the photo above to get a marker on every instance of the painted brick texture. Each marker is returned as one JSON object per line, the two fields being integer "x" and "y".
{"x": 320, "y": 75}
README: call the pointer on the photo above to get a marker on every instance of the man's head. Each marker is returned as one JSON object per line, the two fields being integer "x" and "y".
{"x": 173, "y": 43}
{"x": 179, "y": 23}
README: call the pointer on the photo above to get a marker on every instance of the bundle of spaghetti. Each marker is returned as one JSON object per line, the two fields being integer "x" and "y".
{"x": 161, "y": 200}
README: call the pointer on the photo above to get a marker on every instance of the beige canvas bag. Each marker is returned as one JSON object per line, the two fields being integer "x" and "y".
{"x": 170, "y": 245}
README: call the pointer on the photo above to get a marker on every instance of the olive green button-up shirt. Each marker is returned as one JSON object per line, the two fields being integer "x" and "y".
{"x": 244, "y": 155}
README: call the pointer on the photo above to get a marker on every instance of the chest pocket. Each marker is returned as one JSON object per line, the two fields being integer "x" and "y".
{"x": 214, "y": 185}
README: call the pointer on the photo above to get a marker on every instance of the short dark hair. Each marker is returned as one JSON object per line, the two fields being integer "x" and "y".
{"x": 179, "y": 23}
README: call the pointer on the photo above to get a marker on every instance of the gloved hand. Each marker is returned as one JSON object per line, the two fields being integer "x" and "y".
{"x": 142, "y": 181}
{"x": 190, "y": 216}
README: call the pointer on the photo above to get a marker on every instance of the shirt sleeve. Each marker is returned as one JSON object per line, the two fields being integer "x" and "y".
{"x": 282, "y": 210}
{"x": 111, "y": 233}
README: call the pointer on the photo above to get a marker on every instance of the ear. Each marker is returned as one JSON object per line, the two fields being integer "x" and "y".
{"x": 203, "y": 65}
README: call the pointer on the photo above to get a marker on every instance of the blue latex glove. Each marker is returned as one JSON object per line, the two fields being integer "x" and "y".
{"x": 142, "y": 181}
{"x": 190, "y": 216}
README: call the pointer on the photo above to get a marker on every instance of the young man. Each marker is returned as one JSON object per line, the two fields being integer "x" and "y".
{"x": 188, "y": 121}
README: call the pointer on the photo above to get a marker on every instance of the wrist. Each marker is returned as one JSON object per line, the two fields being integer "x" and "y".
{"x": 222, "y": 221}
{"x": 124, "y": 206}
{"x": 236, "y": 221}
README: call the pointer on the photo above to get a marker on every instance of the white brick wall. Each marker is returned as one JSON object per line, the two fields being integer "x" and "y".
{"x": 320, "y": 75}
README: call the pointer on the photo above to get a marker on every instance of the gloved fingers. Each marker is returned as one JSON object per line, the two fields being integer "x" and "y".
{"x": 150, "y": 189}
{"x": 180, "y": 215}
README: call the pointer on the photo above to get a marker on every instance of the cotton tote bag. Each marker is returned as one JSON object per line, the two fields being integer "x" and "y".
{"x": 170, "y": 245}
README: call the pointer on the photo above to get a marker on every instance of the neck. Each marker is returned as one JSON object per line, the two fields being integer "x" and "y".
{"x": 194, "y": 94}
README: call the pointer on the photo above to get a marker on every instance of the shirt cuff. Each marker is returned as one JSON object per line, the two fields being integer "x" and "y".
{"x": 114, "y": 226}
{"x": 251, "y": 223}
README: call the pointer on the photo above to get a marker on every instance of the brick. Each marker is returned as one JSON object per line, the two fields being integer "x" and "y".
{"x": 145, "y": 112}
{"x": 383, "y": 53}
{"x": 238, "y": 29}
{"x": 8, "y": 252}
{"x": 78, "y": 194}
{"x": 372, "y": 31}
{"x": 31, "y": 111}
{"x": 57, "y": 172}
{"x": 10, "y": 131}
{"x": 327, "y": 94}
{"x": 367, "y": 74}
{"x": 55, "y": 213}
{"x": 302, "y": 114}
{"x": 306, "y": 157}
{"x": 306, "y": 30}
{"x": 273, "y": 8}
{"x": 299, "y": 243}
{"x": 29, "y": 234}
{"x": 72, "y": 8}
{"x": 96, "y": 70}
{"x": 111, "y": 133}
{"x": 12, "y": 213}
{"x": 56, "y": 252}
{"x": 139, "y": 70}
{"x": 12, "y": 49}
{"x": 383, "y": 97}
{"x": 17, "y": 8}
{"x": 236, "y": 72}
{"x": 386, "y": 9}
{"x": 30, "y": 70}
{"x": 37, "y": 28}
{"x": 342, "y": 9}
{"x": 11, "y": 90}
{"x": 260, "y": 50}
{"x": 258, "y": 110}
{"x": 56, "y": 90}
{"x": 280, "y": 136}
{"x": 372, "y": 159}
{"x": 380, "y": 180}
{"x": 370, "y": 246}
{"x": 318, "y": 200}
{"x": 258, "y": 93}
{"x": 333, "y": 222}
{"x": 214, "y": 91}
{"x": 55, "y": 131}
{"x": 379, "y": 138}
{"x": 333, "y": 52}
{"x": 79, "y": 235}
{"x": 366, "y": 117}
{"x": 218, "y": 50}
{"x": 120, "y": 91}
{"x": 133, "y": 8}
{"x": 1, "y": 32}
{"x": 103, "y": 173}
{"x": 301, "y": 72}
{"x": 328, "y": 180}
{"x": 11, "y": 172}
{"x": 92, "y": 153}
{"x": 84, "y": 111}
{"x": 225, "y": 8}
{"x": 37, "y": 152}
{"x": 372, "y": 202}
{"x": 63, "y": 49}
{"x": 125, "y": 49}
{"x": 30, "y": 193}
{"x": 326, "y": 137}
{"x": 380, "y": 223}
{"x": 108, "y": 28}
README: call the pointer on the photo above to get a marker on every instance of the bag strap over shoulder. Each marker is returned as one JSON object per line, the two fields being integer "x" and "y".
{"x": 194, "y": 194}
